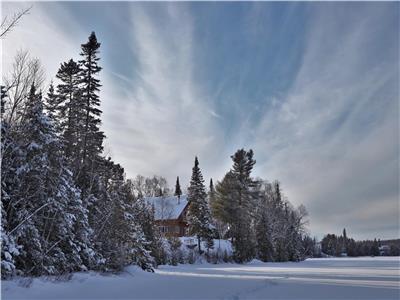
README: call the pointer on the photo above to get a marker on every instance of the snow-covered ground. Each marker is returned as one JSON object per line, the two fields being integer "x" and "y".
{"x": 326, "y": 278}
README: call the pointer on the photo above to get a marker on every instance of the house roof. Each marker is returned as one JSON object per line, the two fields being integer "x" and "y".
{"x": 168, "y": 207}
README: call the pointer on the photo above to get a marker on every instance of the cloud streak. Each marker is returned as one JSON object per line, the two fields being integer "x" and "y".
{"x": 167, "y": 120}
{"x": 311, "y": 87}
{"x": 333, "y": 141}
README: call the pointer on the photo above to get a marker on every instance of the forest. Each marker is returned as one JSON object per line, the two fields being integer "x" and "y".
{"x": 334, "y": 245}
{"x": 65, "y": 206}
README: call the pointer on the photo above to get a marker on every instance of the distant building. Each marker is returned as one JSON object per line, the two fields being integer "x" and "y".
{"x": 170, "y": 214}
{"x": 384, "y": 250}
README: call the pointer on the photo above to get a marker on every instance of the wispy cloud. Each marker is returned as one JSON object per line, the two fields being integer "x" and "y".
{"x": 166, "y": 120}
{"x": 333, "y": 141}
{"x": 311, "y": 87}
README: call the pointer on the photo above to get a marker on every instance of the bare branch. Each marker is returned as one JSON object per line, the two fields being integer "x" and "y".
{"x": 30, "y": 216}
{"x": 8, "y": 24}
{"x": 25, "y": 71}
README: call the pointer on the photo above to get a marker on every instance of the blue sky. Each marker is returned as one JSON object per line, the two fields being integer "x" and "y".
{"x": 312, "y": 88}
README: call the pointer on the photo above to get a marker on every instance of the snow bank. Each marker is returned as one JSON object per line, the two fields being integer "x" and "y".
{"x": 343, "y": 278}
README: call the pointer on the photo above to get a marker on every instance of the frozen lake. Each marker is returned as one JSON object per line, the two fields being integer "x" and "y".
{"x": 341, "y": 278}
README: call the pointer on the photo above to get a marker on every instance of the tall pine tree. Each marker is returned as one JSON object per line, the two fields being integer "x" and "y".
{"x": 69, "y": 109}
{"x": 92, "y": 137}
{"x": 234, "y": 204}
{"x": 199, "y": 217}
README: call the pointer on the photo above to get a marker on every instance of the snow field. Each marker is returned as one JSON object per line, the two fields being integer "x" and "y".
{"x": 336, "y": 278}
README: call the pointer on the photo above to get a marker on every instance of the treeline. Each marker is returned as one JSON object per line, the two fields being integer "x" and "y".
{"x": 342, "y": 245}
{"x": 64, "y": 205}
{"x": 251, "y": 212}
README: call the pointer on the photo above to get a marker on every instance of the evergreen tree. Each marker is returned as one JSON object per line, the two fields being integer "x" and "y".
{"x": 226, "y": 204}
{"x": 92, "y": 137}
{"x": 211, "y": 194}
{"x": 280, "y": 220}
{"x": 264, "y": 226}
{"x": 344, "y": 241}
{"x": 124, "y": 241}
{"x": 154, "y": 244}
{"x": 178, "y": 191}
{"x": 235, "y": 204}
{"x": 244, "y": 239}
{"x": 65, "y": 207}
{"x": 220, "y": 227}
{"x": 10, "y": 158}
{"x": 375, "y": 248}
{"x": 199, "y": 217}
{"x": 3, "y": 96}
{"x": 43, "y": 219}
{"x": 68, "y": 108}
{"x": 52, "y": 106}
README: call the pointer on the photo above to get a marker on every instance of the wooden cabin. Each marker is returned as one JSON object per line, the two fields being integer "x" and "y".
{"x": 170, "y": 214}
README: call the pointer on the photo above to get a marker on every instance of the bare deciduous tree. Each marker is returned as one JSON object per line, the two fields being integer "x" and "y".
{"x": 9, "y": 22}
{"x": 25, "y": 71}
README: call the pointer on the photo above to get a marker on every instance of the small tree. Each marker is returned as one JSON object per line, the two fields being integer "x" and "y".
{"x": 178, "y": 191}
{"x": 375, "y": 248}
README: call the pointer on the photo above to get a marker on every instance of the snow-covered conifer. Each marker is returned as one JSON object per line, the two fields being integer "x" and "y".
{"x": 178, "y": 191}
{"x": 199, "y": 217}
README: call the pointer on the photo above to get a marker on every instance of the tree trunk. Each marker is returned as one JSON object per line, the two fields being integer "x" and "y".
{"x": 199, "y": 244}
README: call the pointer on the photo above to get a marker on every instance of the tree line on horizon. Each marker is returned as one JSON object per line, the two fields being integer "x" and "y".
{"x": 334, "y": 245}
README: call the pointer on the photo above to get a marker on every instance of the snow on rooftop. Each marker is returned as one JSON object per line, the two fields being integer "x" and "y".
{"x": 167, "y": 207}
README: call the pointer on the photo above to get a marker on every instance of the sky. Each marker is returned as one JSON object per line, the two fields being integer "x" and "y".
{"x": 311, "y": 87}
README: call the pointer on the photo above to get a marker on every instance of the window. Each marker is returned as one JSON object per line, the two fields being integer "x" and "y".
{"x": 170, "y": 229}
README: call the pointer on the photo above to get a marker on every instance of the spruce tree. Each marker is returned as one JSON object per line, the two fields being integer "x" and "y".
{"x": 263, "y": 224}
{"x": 199, "y": 217}
{"x": 279, "y": 223}
{"x": 49, "y": 204}
{"x": 345, "y": 241}
{"x": 211, "y": 194}
{"x": 121, "y": 238}
{"x": 145, "y": 217}
{"x": 52, "y": 106}
{"x": 69, "y": 109}
{"x": 92, "y": 139}
{"x": 3, "y": 96}
{"x": 178, "y": 191}
{"x": 10, "y": 161}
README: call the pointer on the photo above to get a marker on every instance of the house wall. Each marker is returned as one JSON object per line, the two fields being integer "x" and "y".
{"x": 175, "y": 228}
